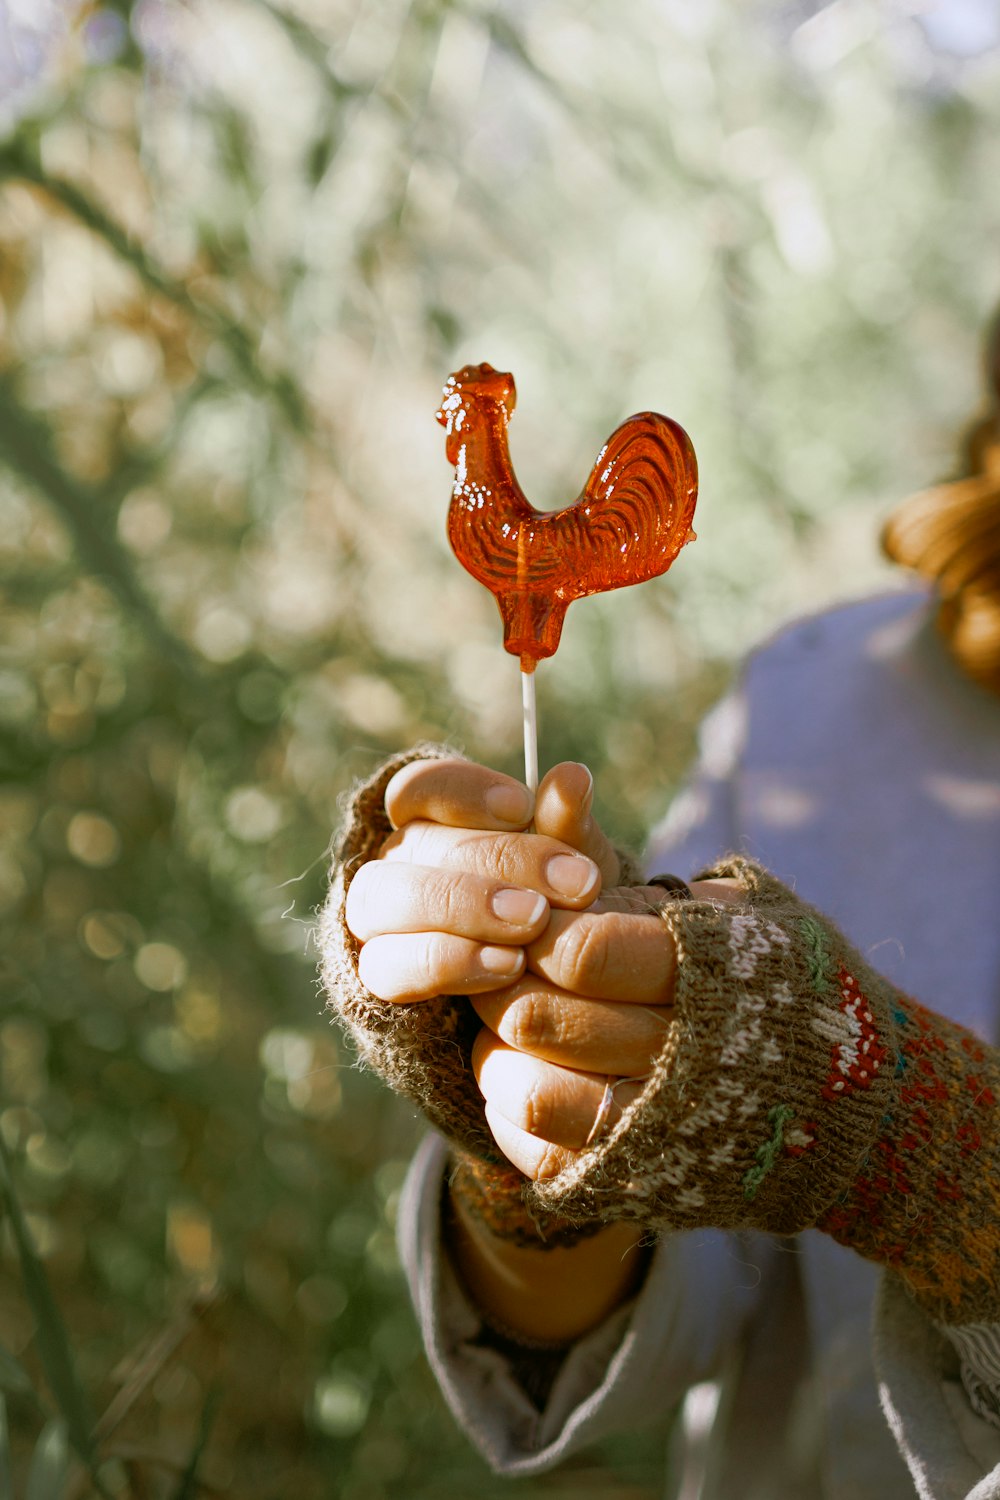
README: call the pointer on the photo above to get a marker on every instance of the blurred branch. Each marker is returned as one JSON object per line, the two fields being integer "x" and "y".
{"x": 137, "y": 465}
{"x": 752, "y": 419}
{"x": 312, "y": 48}
{"x": 142, "y": 1368}
{"x": 607, "y": 130}
{"x": 26, "y": 447}
{"x": 6, "y": 1476}
{"x": 18, "y": 160}
{"x": 50, "y": 1465}
{"x": 189, "y": 1483}
{"x": 53, "y": 1341}
{"x": 138, "y": 1461}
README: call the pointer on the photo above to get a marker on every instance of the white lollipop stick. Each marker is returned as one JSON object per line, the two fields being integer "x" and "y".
{"x": 530, "y": 731}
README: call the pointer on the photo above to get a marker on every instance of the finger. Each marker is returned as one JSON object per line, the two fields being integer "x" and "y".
{"x": 640, "y": 899}
{"x": 386, "y": 897}
{"x": 528, "y": 860}
{"x": 724, "y": 891}
{"x": 594, "y": 1036}
{"x": 563, "y": 811}
{"x": 537, "y": 1159}
{"x": 552, "y": 1106}
{"x": 607, "y": 956}
{"x": 416, "y": 966}
{"x": 459, "y": 793}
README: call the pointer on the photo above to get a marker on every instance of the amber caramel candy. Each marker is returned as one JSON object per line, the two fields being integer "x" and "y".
{"x": 628, "y": 524}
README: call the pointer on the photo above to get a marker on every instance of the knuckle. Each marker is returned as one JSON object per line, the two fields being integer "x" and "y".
{"x": 432, "y": 958}
{"x": 530, "y": 1024}
{"x": 583, "y": 954}
{"x": 537, "y": 1110}
{"x": 393, "y": 843}
{"x": 443, "y": 901}
{"x": 502, "y": 857}
{"x": 418, "y": 842}
{"x": 415, "y": 843}
{"x": 481, "y": 1048}
{"x": 404, "y": 793}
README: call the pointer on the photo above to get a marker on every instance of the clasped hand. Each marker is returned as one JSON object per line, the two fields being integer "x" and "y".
{"x": 571, "y": 974}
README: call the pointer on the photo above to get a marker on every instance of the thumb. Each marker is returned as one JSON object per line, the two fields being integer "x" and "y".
{"x": 562, "y": 811}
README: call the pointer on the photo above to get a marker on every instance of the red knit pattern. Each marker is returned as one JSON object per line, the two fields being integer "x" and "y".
{"x": 854, "y": 1064}
{"x": 927, "y": 1200}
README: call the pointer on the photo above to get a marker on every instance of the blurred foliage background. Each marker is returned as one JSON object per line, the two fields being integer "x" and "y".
{"x": 242, "y": 242}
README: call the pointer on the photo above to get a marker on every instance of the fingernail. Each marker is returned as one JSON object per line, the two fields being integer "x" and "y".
{"x": 523, "y": 908}
{"x": 572, "y": 875}
{"x": 511, "y": 804}
{"x": 500, "y": 960}
{"x": 587, "y": 799}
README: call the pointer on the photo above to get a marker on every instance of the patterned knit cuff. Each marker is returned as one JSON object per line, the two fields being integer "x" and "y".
{"x": 497, "y": 1196}
{"x": 923, "y": 1198}
{"x": 774, "y": 1075}
{"x": 926, "y": 1198}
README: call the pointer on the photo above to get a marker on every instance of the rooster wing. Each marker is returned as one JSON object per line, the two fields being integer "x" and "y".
{"x": 632, "y": 517}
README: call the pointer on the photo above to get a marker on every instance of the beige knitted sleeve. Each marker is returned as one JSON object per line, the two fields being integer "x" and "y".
{"x": 422, "y": 1050}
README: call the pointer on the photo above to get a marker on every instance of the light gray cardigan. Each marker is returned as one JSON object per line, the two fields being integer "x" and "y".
{"x": 855, "y": 762}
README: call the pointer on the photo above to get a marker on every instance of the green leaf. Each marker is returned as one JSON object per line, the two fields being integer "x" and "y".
{"x": 187, "y": 1488}
{"x": 6, "y": 1481}
{"x": 13, "y": 1376}
{"x": 53, "y": 1340}
{"x": 319, "y": 157}
{"x": 49, "y": 1464}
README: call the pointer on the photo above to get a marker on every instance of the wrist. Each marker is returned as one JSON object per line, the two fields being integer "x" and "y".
{"x": 539, "y": 1294}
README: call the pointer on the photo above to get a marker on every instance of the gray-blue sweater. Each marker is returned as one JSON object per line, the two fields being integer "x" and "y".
{"x": 855, "y": 762}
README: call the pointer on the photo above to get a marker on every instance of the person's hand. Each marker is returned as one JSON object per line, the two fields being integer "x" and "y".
{"x": 564, "y": 1049}
{"x": 461, "y": 887}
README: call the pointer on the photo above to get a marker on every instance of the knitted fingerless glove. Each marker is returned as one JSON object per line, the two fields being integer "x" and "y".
{"x": 423, "y": 1050}
{"x": 798, "y": 1088}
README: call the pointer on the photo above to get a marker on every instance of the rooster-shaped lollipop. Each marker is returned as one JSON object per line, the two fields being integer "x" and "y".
{"x": 628, "y": 524}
